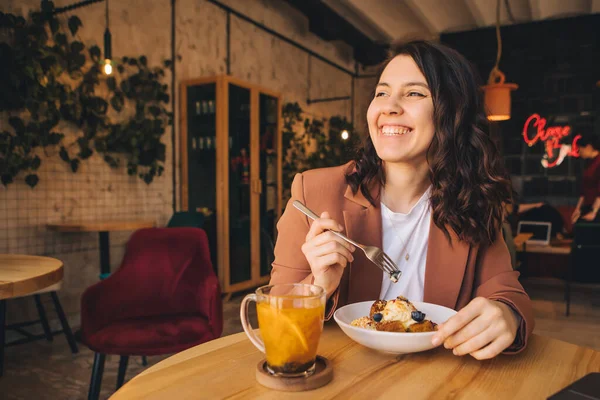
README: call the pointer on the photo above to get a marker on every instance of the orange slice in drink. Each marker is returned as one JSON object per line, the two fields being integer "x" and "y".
{"x": 293, "y": 326}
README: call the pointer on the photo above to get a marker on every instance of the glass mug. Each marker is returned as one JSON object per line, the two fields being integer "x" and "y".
{"x": 290, "y": 319}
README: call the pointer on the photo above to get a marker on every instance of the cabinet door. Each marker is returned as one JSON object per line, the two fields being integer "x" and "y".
{"x": 268, "y": 136}
{"x": 201, "y": 156}
{"x": 239, "y": 185}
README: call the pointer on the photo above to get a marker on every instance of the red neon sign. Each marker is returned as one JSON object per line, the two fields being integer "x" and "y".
{"x": 552, "y": 137}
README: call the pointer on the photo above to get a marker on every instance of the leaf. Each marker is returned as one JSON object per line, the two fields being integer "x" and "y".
{"x": 47, "y": 6}
{"x": 33, "y": 107}
{"x": 63, "y": 154}
{"x": 54, "y": 25}
{"x": 17, "y": 124}
{"x": 61, "y": 39}
{"x": 132, "y": 61}
{"x": 95, "y": 53}
{"x": 85, "y": 153}
{"x": 74, "y": 24}
{"x": 77, "y": 47}
{"x": 117, "y": 103}
{"x": 167, "y": 63}
{"x": 55, "y": 138}
{"x": 35, "y": 163}
{"x": 143, "y": 61}
{"x": 112, "y": 162}
{"x": 74, "y": 164}
{"x": 32, "y": 180}
{"x": 120, "y": 68}
{"x": 155, "y": 111}
{"x": 78, "y": 61}
{"x": 6, "y": 179}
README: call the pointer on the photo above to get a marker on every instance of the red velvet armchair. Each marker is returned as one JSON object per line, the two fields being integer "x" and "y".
{"x": 163, "y": 299}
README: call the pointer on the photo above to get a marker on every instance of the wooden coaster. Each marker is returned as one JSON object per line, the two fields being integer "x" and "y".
{"x": 322, "y": 376}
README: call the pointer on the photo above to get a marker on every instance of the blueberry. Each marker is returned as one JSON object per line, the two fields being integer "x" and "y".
{"x": 377, "y": 317}
{"x": 418, "y": 316}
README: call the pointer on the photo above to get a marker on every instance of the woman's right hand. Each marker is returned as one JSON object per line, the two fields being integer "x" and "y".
{"x": 326, "y": 253}
{"x": 575, "y": 216}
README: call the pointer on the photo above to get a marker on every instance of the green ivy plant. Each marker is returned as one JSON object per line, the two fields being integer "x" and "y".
{"x": 329, "y": 147}
{"x": 49, "y": 77}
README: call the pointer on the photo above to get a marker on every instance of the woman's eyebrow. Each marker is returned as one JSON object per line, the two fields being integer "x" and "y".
{"x": 424, "y": 85}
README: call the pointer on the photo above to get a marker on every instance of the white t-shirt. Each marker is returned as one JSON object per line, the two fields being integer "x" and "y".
{"x": 404, "y": 233}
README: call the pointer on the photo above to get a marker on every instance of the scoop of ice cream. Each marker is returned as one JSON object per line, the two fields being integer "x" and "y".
{"x": 399, "y": 309}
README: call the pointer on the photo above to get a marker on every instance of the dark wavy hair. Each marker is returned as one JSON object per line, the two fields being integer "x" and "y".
{"x": 470, "y": 185}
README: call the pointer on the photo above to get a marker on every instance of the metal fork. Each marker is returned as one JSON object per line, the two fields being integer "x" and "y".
{"x": 374, "y": 254}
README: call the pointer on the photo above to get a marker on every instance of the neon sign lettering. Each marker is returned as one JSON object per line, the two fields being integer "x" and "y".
{"x": 551, "y": 136}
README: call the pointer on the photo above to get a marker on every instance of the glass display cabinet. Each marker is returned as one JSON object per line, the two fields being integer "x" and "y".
{"x": 231, "y": 170}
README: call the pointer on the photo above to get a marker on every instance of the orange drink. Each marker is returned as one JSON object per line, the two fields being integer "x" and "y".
{"x": 290, "y": 319}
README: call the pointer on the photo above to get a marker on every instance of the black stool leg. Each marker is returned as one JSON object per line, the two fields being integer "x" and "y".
{"x": 65, "y": 324}
{"x": 2, "y": 321}
{"x": 144, "y": 361}
{"x": 97, "y": 371}
{"x": 122, "y": 369}
{"x": 43, "y": 318}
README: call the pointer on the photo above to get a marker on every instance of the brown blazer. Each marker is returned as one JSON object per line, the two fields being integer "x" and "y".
{"x": 455, "y": 272}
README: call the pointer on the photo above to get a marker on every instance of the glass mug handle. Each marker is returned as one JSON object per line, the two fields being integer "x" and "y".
{"x": 256, "y": 341}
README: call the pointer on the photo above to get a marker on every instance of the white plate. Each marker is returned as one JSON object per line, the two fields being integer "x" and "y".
{"x": 390, "y": 342}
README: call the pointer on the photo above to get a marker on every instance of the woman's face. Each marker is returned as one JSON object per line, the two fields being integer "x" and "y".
{"x": 400, "y": 116}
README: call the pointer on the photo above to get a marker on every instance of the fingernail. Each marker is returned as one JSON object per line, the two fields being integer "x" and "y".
{"x": 352, "y": 248}
{"x": 435, "y": 341}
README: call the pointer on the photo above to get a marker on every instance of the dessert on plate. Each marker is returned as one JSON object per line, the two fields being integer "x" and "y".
{"x": 398, "y": 315}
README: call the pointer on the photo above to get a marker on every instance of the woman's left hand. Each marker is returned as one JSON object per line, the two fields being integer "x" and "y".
{"x": 483, "y": 329}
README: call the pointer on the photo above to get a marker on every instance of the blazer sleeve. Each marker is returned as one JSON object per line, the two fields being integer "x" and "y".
{"x": 290, "y": 264}
{"x": 496, "y": 280}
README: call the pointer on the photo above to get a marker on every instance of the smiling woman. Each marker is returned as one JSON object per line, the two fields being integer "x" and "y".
{"x": 429, "y": 188}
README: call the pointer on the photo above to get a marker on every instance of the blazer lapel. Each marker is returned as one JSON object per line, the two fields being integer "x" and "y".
{"x": 445, "y": 267}
{"x": 363, "y": 224}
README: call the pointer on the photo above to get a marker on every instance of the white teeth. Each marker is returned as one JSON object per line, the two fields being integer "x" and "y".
{"x": 394, "y": 130}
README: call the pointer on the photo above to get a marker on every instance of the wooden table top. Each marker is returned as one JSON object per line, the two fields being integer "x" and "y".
{"x": 24, "y": 274}
{"x": 225, "y": 368}
{"x": 555, "y": 246}
{"x": 100, "y": 226}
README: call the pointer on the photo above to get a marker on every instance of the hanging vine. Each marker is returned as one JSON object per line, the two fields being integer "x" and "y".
{"x": 311, "y": 146}
{"x": 49, "y": 77}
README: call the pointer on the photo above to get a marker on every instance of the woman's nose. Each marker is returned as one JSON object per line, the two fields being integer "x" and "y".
{"x": 392, "y": 107}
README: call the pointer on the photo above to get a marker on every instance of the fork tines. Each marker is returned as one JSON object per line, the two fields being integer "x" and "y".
{"x": 388, "y": 266}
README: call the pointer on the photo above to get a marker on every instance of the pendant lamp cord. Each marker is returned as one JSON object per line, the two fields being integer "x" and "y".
{"x": 496, "y": 76}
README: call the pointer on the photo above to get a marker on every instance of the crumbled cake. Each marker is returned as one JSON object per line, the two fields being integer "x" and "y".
{"x": 397, "y": 315}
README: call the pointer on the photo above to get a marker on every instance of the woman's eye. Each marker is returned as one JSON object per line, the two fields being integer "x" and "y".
{"x": 415, "y": 94}
{"x": 379, "y": 94}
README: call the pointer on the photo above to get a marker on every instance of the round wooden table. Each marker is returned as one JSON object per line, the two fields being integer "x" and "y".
{"x": 225, "y": 368}
{"x": 103, "y": 228}
{"x": 21, "y": 275}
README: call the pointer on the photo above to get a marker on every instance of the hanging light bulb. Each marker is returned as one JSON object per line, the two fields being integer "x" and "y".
{"x": 107, "y": 47}
{"x": 345, "y": 135}
{"x": 497, "y": 92}
{"x": 107, "y": 67}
